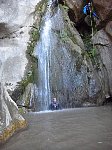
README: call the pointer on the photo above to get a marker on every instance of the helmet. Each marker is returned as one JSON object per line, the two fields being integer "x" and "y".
{"x": 54, "y": 99}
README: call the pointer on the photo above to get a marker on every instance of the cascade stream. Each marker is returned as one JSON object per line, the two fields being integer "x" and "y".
{"x": 43, "y": 54}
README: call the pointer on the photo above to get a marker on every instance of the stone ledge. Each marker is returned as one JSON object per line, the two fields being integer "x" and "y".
{"x": 10, "y": 130}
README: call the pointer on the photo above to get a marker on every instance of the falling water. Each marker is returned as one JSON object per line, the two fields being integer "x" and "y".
{"x": 43, "y": 53}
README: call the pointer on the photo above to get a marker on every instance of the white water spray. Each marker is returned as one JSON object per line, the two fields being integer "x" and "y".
{"x": 43, "y": 53}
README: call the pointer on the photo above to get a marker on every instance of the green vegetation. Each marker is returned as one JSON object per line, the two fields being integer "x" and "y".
{"x": 65, "y": 7}
{"x": 26, "y": 80}
{"x": 87, "y": 42}
{"x": 90, "y": 49}
{"x": 35, "y": 30}
{"x": 91, "y": 52}
{"x": 63, "y": 35}
{"x": 21, "y": 111}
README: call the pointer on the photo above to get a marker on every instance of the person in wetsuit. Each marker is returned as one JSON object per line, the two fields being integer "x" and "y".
{"x": 54, "y": 105}
{"x": 87, "y": 10}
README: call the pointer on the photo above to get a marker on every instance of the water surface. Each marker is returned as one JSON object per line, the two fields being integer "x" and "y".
{"x": 71, "y": 129}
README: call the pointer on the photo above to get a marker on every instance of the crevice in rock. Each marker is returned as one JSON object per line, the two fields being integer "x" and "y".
{"x": 82, "y": 27}
{"x": 108, "y": 101}
{"x": 61, "y": 2}
{"x": 4, "y": 29}
{"x": 7, "y": 33}
{"x": 71, "y": 15}
{"x": 100, "y": 44}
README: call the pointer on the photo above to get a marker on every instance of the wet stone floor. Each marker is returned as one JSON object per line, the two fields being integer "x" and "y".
{"x": 73, "y": 129}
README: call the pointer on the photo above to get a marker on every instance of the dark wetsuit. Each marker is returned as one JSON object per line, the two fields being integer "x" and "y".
{"x": 54, "y": 106}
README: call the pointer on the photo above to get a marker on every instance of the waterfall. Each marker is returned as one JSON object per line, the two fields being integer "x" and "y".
{"x": 62, "y": 72}
{"x": 57, "y": 76}
{"x": 43, "y": 54}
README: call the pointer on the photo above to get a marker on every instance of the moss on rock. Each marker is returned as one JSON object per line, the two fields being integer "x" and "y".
{"x": 10, "y": 130}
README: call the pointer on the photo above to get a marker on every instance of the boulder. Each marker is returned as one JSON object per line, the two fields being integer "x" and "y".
{"x": 104, "y": 46}
{"x": 27, "y": 100}
{"x": 10, "y": 119}
{"x": 108, "y": 29}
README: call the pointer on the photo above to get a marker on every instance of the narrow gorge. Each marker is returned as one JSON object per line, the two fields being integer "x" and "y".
{"x": 49, "y": 48}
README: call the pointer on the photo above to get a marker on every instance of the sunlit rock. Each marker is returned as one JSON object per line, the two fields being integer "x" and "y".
{"x": 15, "y": 24}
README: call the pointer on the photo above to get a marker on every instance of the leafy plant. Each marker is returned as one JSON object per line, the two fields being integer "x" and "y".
{"x": 66, "y": 7}
{"x": 92, "y": 52}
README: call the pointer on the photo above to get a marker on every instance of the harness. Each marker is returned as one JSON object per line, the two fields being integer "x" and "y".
{"x": 86, "y": 10}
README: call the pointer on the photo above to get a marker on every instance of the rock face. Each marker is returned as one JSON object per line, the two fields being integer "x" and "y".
{"x": 16, "y": 19}
{"x": 102, "y": 39}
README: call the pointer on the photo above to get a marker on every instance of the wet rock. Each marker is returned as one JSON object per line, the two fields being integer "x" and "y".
{"x": 27, "y": 100}
{"x": 77, "y": 104}
{"x": 108, "y": 100}
{"x": 88, "y": 104}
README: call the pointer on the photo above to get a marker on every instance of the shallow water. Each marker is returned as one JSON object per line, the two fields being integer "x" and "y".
{"x": 71, "y": 129}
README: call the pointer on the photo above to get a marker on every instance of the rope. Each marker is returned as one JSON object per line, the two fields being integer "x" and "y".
{"x": 92, "y": 29}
